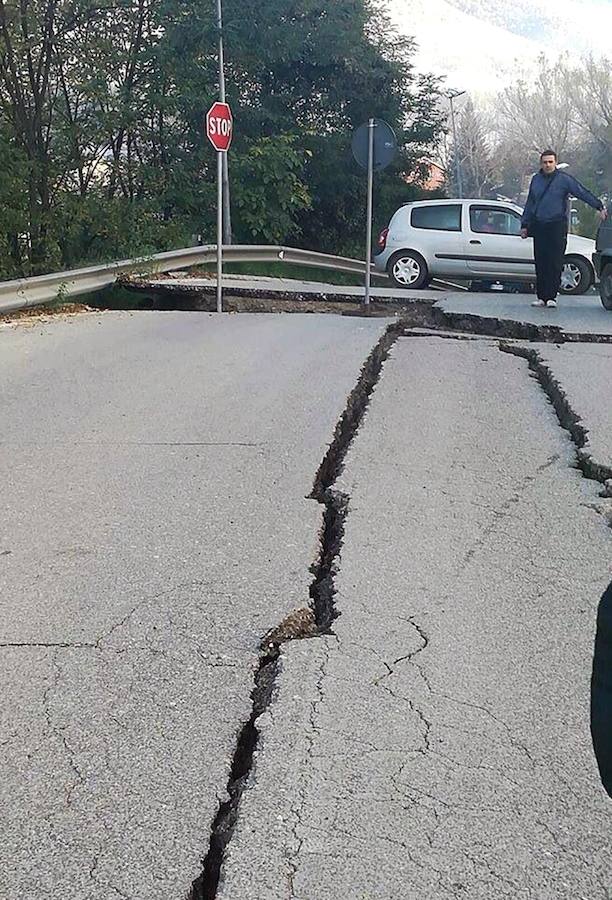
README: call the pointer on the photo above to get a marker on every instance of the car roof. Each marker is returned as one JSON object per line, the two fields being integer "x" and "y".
{"x": 455, "y": 200}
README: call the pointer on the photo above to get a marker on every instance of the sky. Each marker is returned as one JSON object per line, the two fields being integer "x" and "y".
{"x": 483, "y": 45}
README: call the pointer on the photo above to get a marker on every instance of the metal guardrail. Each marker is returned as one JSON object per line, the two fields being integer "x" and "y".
{"x": 43, "y": 289}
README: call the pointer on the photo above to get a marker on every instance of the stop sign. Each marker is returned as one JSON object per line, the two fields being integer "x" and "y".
{"x": 219, "y": 126}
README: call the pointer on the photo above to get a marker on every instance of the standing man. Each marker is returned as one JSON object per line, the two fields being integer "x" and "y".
{"x": 545, "y": 220}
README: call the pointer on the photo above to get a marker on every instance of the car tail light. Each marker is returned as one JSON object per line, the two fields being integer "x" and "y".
{"x": 382, "y": 239}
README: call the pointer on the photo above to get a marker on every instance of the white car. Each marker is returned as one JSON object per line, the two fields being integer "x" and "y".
{"x": 470, "y": 240}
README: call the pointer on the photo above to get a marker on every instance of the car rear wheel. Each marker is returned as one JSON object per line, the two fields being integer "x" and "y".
{"x": 577, "y": 276}
{"x": 408, "y": 269}
{"x": 605, "y": 286}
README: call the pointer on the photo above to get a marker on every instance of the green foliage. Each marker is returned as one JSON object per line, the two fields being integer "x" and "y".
{"x": 95, "y": 229}
{"x": 269, "y": 190}
{"x": 588, "y": 221}
{"x": 14, "y": 206}
{"x": 101, "y": 124}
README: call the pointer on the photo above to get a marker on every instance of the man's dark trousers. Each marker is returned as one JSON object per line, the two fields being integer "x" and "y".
{"x": 549, "y": 244}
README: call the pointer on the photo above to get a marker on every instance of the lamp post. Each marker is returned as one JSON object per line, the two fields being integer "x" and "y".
{"x": 227, "y": 218}
{"x": 452, "y": 96}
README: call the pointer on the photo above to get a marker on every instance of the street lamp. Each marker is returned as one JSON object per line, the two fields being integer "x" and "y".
{"x": 452, "y": 96}
{"x": 227, "y": 220}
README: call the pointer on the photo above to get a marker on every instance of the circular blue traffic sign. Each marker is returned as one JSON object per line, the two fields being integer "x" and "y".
{"x": 385, "y": 145}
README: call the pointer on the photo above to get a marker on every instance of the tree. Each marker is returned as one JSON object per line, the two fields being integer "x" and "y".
{"x": 591, "y": 94}
{"x": 14, "y": 206}
{"x": 102, "y": 104}
{"x": 536, "y": 114}
{"x": 474, "y": 154}
{"x": 28, "y": 37}
{"x": 311, "y": 72}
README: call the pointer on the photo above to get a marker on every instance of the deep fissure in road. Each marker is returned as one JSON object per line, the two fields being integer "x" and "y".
{"x": 317, "y": 619}
{"x": 413, "y": 313}
{"x": 301, "y": 624}
{"x": 568, "y": 418}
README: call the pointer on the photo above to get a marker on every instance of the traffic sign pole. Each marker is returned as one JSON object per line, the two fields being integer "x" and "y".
{"x": 227, "y": 216}
{"x": 219, "y": 129}
{"x": 371, "y": 127}
{"x": 374, "y": 148}
{"x": 219, "y": 231}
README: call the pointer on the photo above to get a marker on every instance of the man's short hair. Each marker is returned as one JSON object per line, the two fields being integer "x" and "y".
{"x": 548, "y": 153}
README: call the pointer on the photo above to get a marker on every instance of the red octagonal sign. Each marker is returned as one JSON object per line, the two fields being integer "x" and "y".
{"x": 219, "y": 126}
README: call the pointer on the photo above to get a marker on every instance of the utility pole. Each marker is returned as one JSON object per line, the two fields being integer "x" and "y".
{"x": 227, "y": 216}
{"x": 452, "y": 96}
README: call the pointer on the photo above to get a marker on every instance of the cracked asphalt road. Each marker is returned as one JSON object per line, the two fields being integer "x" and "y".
{"x": 437, "y": 744}
{"x": 583, "y": 314}
{"x": 585, "y": 373}
{"x": 154, "y": 527}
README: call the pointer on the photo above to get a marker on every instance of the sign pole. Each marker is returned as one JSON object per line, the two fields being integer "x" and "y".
{"x": 219, "y": 130}
{"x": 227, "y": 219}
{"x": 374, "y": 147}
{"x": 219, "y": 231}
{"x": 371, "y": 127}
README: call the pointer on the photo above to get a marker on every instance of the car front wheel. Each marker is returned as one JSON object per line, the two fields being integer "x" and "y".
{"x": 408, "y": 269}
{"x": 577, "y": 276}
{"x": 605, "y": 286}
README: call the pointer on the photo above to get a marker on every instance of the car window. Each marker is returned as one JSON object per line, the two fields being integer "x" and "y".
{"x": 490, "y": 220}
{"x": 439, "y": 218}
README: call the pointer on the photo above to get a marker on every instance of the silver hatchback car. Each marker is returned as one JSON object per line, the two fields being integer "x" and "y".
{"x": 470, "y": 240}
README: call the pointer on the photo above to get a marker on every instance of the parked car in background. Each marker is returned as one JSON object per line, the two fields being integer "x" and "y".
{"x": 602, "y": 261}
{"x": 470, "y": 240}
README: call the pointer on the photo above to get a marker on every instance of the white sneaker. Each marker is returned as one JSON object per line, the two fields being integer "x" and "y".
{"x": 552, "y": 304}
{"x": 538, "y": 303}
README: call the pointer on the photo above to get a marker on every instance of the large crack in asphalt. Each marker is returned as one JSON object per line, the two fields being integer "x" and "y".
{"x": 568, "y": 418}
{"x": 490, "y": 326}
{"x": 316, "y": 619}
{"x": 308, "y": 622}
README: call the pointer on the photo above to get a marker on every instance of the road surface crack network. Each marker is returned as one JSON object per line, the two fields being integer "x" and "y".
{"x": 318, "y": 619}
{"x": 568, "y": 418}
{"x": 59, "y": 732}
{"x": 299, "y": 624}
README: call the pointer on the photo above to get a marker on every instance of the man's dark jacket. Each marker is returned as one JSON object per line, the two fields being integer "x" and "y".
{"x": 554, "y": 205}
{"x": 601, "y": 691}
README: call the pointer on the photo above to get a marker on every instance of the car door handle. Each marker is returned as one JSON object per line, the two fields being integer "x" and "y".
{"x": 475, "y": 242}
